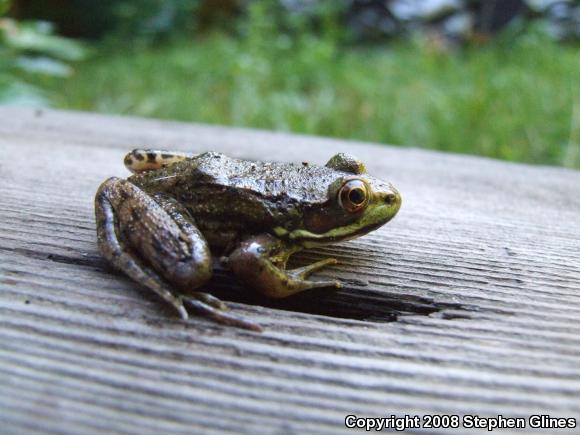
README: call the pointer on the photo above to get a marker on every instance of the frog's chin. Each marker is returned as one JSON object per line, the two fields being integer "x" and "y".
{"x": 370, "y": 221}
{"x": 312, "y": 240}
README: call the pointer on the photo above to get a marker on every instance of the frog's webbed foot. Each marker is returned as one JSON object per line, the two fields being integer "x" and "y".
{"x": 259, "y": 263}
{"x": 154, "y": 241}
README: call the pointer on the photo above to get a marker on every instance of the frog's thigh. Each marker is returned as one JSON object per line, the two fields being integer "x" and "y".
{"x": 173, "y": 248}
{"x": 254, "y": 263}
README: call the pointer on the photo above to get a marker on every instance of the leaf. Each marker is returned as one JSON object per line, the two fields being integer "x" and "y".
{"x": 43, "y": 65}
{"x": 22, "y": 94}
{"x": 4, "y": 6}
{"x": 31, "y": 37}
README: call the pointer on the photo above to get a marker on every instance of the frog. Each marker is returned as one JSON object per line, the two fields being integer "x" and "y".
{"x": 164, "y": 225}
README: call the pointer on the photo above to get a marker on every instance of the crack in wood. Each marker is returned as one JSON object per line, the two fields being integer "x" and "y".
{"x": 84, "y": 260}
{"x": 351, "y": 302}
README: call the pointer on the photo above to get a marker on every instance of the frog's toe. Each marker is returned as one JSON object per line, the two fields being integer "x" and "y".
{"x": 321, "y": 284}
{"x": 306, "y": 271}
{"x": 210, "y": 300}
{"x": 217, "y": 315}
{"x": 297, "y": 284}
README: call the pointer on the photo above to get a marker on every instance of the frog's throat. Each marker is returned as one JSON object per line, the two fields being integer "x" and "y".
{"x": 369, "y": 222}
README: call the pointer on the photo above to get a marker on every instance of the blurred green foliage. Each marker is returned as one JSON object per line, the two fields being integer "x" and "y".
{"x": 146, "y": 21}
{"x": 516, "y": 98}
{"x": 4, "y": 5}
{"x": 513, "y": 99}
{"x": 28, "y": 51}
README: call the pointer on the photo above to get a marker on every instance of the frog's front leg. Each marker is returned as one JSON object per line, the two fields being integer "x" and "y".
{"x": 154, "y": 241}
{"x": 260, "y": 263}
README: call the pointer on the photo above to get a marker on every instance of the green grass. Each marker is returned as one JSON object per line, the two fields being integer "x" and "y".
{"x": 517, "y": 100}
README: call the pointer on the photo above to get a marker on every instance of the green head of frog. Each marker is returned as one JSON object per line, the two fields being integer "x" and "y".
{"x": 162, "y": 225}
{"x": 355, "y": 205}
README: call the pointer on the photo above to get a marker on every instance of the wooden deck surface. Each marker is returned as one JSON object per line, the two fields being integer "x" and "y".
{"x": 467, "y": 303}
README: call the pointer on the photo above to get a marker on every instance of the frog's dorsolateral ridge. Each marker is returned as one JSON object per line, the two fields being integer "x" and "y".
{"x": 158, "y": 225}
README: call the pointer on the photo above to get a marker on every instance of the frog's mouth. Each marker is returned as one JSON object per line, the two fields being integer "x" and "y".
{"x": 371, "y": 220}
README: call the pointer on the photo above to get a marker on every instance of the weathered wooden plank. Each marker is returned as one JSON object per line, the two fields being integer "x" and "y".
{"x": 471, "y": 302}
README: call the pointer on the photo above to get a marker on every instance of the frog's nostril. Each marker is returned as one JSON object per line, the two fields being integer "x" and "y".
{"x": 390, "y": 198}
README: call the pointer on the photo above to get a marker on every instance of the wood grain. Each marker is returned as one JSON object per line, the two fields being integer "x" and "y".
{"x": 468, "y": 302}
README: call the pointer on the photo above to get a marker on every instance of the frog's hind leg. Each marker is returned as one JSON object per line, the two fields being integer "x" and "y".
{"x": 204, "y": 303}
{"x": 142, "y": 160}
{"x": 113, "y": 248}
{"x": 155, "y": 243}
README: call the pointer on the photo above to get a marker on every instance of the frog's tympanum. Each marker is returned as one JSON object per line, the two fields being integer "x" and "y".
{"x": 159, "y": 225}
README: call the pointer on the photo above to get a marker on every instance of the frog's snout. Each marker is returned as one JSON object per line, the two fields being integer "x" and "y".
{"x": 391, "y": 198}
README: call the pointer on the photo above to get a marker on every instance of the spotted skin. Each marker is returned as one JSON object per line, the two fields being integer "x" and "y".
{"x": 142, "y": 235}
{"x": 143, "y": 160}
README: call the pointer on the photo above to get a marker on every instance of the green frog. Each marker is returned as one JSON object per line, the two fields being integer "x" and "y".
{"x": 161, "y": 225}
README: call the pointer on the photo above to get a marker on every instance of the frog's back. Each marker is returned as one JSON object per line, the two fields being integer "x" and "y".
{"x": 302, "y": 183}
{"x": 229, "y": 197}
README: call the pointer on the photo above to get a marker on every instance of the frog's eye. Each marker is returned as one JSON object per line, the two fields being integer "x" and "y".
{"x": 353, "y": 196}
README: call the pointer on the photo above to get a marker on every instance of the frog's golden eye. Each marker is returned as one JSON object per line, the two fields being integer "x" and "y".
{"x": 353, "y": 196}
